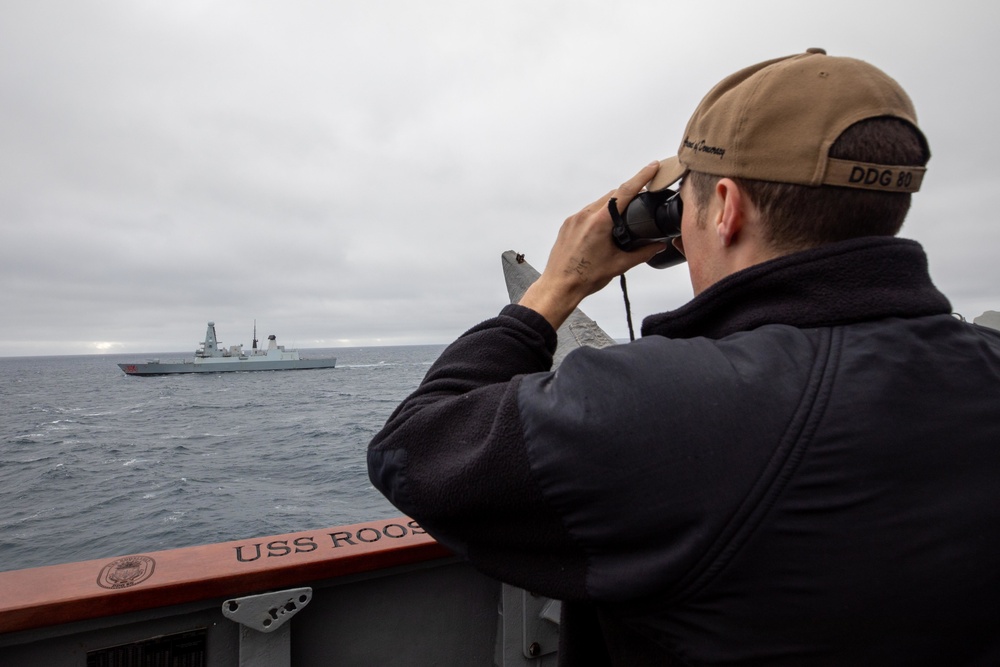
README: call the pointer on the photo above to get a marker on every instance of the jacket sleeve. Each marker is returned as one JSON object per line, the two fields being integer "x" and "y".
{"x": 452, "y": 456}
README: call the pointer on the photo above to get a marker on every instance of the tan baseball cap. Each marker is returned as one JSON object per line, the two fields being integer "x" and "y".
{"x": 775, "y": 121}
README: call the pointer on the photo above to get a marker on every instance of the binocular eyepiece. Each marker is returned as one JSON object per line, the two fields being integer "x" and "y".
{"x": 649, "y": 218}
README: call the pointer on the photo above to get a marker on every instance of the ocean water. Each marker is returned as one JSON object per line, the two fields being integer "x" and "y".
{"x": 95, "y": 463}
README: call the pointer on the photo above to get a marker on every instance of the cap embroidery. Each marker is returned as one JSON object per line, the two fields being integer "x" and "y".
{"x": 702, "y": 147}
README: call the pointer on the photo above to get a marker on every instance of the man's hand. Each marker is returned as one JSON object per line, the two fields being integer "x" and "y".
{"x": 584, "y": 258}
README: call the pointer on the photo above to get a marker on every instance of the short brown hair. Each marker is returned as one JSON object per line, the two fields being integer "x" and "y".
{"x": 801, "y": 216}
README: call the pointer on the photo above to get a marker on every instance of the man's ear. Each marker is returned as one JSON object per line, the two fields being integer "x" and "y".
{"x": 732, "y": 211}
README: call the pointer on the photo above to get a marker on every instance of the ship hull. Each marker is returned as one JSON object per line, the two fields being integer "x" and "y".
{"x": 227, "y": 366}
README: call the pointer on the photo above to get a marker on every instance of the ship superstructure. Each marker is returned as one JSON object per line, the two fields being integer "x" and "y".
{"x": 212, "y": 357}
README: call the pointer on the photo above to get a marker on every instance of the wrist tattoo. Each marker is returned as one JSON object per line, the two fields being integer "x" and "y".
{"x": 581, "y": 266}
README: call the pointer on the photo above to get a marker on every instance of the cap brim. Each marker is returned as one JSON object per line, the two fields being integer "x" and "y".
{"x": 671, "y": 171}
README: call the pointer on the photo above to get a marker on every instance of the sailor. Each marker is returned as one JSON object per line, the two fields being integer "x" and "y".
{"x": 799, "y": 466}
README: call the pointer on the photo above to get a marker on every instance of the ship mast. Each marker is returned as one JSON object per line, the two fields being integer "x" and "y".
{"x": 255, "y": 334}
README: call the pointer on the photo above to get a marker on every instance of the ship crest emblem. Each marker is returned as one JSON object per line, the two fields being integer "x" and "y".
{"x": 126, "y": 572}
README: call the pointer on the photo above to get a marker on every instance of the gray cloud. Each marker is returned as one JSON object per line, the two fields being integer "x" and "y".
{"x": 349, "y": 173}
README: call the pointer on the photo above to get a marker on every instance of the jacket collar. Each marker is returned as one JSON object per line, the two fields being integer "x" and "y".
{"x": 839, "y": 283}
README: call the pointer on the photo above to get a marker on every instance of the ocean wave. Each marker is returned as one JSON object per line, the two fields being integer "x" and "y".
{"x": 94, "y": 464}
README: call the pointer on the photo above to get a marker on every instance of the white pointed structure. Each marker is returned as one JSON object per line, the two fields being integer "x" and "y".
{"x": 990, "y": 318}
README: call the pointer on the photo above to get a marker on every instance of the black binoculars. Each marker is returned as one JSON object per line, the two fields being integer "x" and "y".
{"x": 649, "y": 218}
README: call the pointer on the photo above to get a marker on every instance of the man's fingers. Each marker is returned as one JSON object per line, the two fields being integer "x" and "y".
{"x": 599, "y": 204}
{"x": 625, "y": 192}
{"x": 630, "y": 188}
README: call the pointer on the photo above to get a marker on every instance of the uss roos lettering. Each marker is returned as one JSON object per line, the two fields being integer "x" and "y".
{"x": 335, "y": 540}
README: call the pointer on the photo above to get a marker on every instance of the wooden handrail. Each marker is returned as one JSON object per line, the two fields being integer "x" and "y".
{"x": 58, "y": 594}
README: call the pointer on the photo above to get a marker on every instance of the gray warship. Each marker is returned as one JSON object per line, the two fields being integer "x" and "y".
{"x": 211, "y": 357}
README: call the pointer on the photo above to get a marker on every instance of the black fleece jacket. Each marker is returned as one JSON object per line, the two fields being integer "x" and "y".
{"x": 797, "y": 467}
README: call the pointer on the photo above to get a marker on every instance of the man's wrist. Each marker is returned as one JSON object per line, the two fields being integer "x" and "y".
{"x": 553, "y": 306}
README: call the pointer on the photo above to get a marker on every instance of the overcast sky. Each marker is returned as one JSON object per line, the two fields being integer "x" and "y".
{"x": 349, "y": 173}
